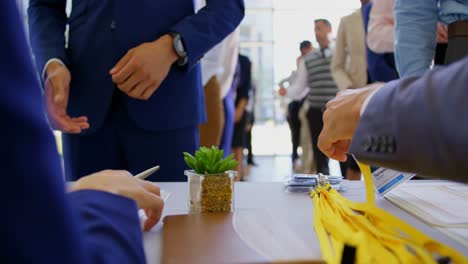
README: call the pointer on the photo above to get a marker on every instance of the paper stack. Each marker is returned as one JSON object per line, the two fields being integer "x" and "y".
{"x": 442, "y": 205}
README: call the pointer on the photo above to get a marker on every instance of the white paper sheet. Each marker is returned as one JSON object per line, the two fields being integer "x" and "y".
{"x": 443, "y": 205}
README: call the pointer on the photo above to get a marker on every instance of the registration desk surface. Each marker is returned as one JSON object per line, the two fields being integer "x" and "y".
{"x": 293, "y": 210}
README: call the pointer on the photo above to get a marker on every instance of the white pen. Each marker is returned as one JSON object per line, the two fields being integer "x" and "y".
{"x": 147, "y": 173}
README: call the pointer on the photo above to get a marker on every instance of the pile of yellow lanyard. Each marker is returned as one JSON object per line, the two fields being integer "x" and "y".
{"x": 377, "y": 236}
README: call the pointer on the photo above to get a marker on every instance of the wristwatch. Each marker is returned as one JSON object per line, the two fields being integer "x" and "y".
{"x": 179, "y": 48}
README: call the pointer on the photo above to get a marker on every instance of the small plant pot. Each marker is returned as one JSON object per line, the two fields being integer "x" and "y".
{"x": 211, "y": 193}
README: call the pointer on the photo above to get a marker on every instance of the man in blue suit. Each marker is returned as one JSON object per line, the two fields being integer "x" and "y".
{"x": 97, "y": 222}
{"x": 125, "y": 88}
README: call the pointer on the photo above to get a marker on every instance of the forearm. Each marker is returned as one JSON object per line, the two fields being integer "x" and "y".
{"x": 415, "y": 36}
{"x": 209, "y": 26}
{"x": 108, "y": 223}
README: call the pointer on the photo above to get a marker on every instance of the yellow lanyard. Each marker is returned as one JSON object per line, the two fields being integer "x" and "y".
{"x": 378, "y": 236}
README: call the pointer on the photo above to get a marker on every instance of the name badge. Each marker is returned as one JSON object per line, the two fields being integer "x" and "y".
{"x": 386, "y": 180}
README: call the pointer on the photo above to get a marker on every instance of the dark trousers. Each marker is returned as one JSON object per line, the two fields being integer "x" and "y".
{"x": 248, "y": 137}
{"x": 121, "y": 145}
{"x": 439, "y": 57}
{"x": 295, "y": 126}
{"x": 228, "y": 131}
{"x": 457, "y": 49}
{"x": 314, "y": 115}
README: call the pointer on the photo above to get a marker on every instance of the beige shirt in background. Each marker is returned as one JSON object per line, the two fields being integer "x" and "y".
{"x": 349, "y": 63}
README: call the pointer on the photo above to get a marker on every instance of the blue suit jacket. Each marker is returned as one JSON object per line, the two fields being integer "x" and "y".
{"x": 419, "y": 124}
{"x": 381, "y": 66}
{"x": 41, "y": 224}
{"x": 101, "y": 32}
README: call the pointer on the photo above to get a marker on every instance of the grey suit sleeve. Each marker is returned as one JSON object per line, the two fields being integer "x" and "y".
{"x": 419, "y": 125}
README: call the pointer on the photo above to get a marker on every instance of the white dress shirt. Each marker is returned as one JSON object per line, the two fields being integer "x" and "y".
{"x": 381, "y": 27}
{"x": 220, "y": 61}
{"x": 298, "y": 89}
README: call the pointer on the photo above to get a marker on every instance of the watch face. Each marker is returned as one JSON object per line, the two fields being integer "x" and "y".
{"x": 180, "y": 46}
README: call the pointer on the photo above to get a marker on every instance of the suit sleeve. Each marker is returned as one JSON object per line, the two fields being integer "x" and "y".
{"x": 339, "y": 60}
{"x": 45, "y": 225}
{"x": 203, "y": 30}
{"x": 110, "y": 227}
{"x": 47, "y": 21}
{"x": 415, "y": 36}
{"x": 297, "y": 87}
{"x": 427, "y": 120}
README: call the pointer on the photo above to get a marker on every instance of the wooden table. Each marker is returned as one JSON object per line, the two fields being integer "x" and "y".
{"x": 293, "y": 210}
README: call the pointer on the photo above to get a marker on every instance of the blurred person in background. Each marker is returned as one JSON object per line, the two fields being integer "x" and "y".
{"x": 218, "y": 68}
{"x": 381, "y": 66}
{"x": 240, "y": 118}
{"x": 314, "y": 75}
{"x": 250, "y": 112}
{"x": 295, "y": 124}
{"x": 229, "y": 112}
{"x": 349, "y": 67}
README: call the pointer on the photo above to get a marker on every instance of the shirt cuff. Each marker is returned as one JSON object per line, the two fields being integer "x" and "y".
{"x": 47, "y": 64}
{"x": 366, "y": 102}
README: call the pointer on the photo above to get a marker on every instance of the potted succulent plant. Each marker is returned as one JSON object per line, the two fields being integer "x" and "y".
{"x": 211, "y": 180}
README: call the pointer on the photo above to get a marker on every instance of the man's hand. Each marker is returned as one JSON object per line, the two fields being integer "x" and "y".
{"x": 142, "y": 70}
{"x": 442, "y": 33}
{"x": 282, "y": 91}
{"x": 145, "y": 193}
{"x": 57, "y": 89}
{"x": 341, "y": 119}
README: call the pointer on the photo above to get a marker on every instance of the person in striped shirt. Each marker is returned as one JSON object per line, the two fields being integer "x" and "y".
{"x": 314, "y": 72}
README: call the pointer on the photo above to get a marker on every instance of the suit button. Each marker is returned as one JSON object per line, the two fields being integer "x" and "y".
{"x": 380, "y": 144}
{"x": 375, "y": 144}
{"x": 367, "y": 144}
{"x": 113, "y": 25}
{"x": 391, "y": 145}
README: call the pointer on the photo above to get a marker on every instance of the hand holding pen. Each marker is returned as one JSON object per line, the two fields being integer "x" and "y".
{"x": 146, "y": 194}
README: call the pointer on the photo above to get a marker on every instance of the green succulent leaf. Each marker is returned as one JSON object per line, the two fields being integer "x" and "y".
{"x": 190, "y": 163}
{"x": 210, "y": 161}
